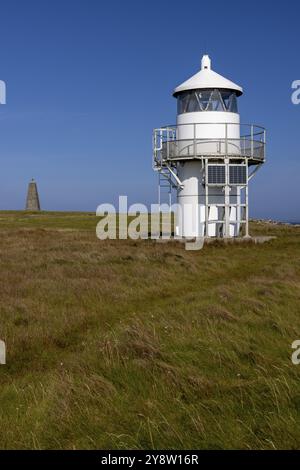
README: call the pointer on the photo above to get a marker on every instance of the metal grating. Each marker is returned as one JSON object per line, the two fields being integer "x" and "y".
{"x": 237, "y": 174}
{"x": 216, "y": 174}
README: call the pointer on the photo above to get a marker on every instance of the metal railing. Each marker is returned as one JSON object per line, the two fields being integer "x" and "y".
{"x": 168, "y": 146}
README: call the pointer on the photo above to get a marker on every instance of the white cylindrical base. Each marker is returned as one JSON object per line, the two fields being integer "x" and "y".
{"x": 191, "y": 210}
{"x": 192, "y": 200}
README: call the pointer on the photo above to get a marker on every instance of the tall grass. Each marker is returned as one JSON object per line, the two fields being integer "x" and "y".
{"x": 133, "y": 344}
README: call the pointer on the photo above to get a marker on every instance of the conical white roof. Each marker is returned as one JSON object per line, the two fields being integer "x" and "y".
{"x": 207, "y": 78}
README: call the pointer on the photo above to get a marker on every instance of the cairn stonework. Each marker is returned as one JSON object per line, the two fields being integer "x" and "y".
{"x": 32, "y": 201}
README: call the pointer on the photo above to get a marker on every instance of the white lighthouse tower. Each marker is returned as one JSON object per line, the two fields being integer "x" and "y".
{"x": 208, "y": 157}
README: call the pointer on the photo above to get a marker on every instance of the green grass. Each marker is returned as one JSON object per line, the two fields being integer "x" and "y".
{"x": 133, "y": 344}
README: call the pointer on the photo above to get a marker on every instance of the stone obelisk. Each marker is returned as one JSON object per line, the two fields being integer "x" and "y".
{"x": 32, "y": 201}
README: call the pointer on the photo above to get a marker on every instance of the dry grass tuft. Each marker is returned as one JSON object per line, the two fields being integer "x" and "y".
{"x": 140, "y": 342}
{"x": 217, "y": 312}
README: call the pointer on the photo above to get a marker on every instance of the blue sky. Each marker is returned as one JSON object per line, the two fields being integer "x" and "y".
{"x": 87, "y": 81}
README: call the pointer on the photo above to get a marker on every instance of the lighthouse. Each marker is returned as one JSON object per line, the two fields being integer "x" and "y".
{"x": 208, "y": 157}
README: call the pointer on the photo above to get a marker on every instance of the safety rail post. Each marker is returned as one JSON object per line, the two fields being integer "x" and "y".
{"x": 227, "y": 199}
{"x": 154, "y": 149}
{"x": 168, "y": 149}
{"x": 161, "y": 145}
{"x": 159, "y": 195}
{"x": 247, "y": 205}
{"x": 206, "y": 198}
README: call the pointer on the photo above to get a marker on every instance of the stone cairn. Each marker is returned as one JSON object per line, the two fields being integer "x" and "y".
{"x": 32, "y": 201}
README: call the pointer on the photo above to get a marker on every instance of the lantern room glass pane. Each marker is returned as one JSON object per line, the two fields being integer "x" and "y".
{"x": 233, "y": 108}
{"x": 192, "y": 103}
{"x": 216, "y": 102}
{"x": 182, "y": 103}
{"x": 207, "y": 100}
{"x": 230, "y": 101}
{"x": 204, "y": 97}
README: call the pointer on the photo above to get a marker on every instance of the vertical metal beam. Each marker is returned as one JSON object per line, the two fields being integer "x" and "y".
{"x": 206, "y": 197}
{"x": 159, "y": 188}
{"x": 246, "y": 208}
{"x": 227, "y": 198}
{"x": 226, "y": 232}
{"x": 238, "y": 210}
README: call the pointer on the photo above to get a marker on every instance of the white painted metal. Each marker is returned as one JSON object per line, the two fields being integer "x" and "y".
{"x": 213, "y": 128}
{"x": 216, "y": 129}
{"x": 192, "y": 220}
{"x": 207, "y": 78}
{"x": 212, "y": 221}
{"x": 205, "y": 135}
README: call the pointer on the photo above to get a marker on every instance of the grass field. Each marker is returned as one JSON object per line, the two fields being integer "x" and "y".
{"x": 134, "y": 344}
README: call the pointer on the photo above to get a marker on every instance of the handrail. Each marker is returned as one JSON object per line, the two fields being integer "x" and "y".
{"x": 172, "y": 126}
{"x": 167, "y": 147}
